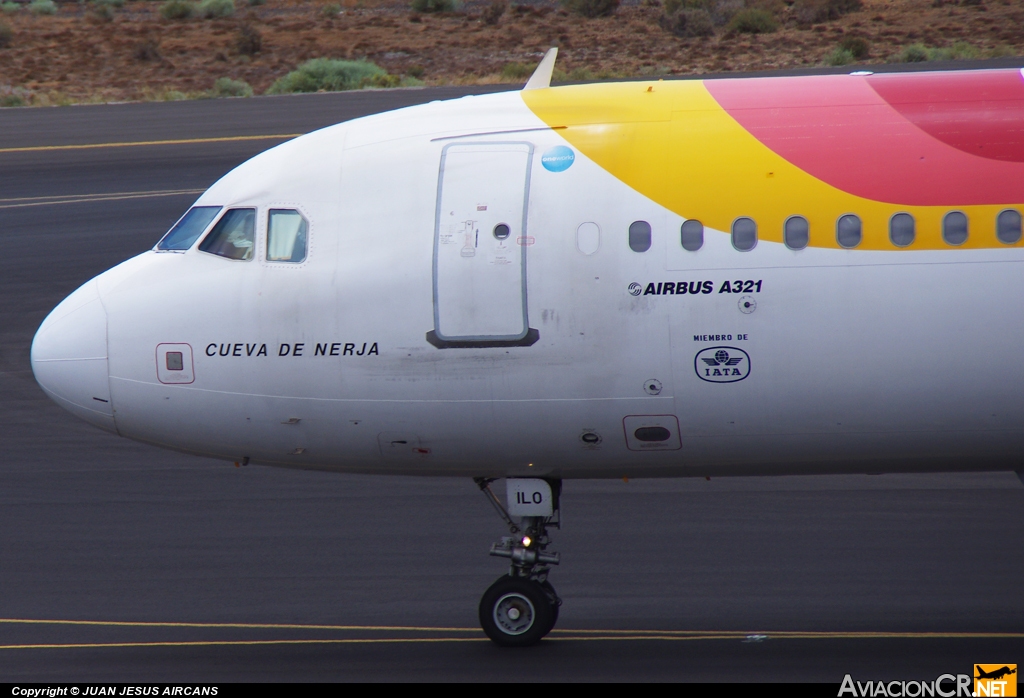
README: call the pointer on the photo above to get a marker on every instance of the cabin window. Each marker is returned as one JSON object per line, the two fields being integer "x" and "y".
{"x": 901, "y": 229}
{"x": 188, "y": 229}
{"x": 640, "y": 236}
{"x": 691, "y": 235}
{"x": 233, "y": 236}
{"x": 287, "y": 233}
{"x": 796, "y": 232}
{"x": 744, "y": 234}
{"x": 848, "y": 231}
{"x": 954, "y": 228}
{"x": 588, "y": 238}
{"x": 1008, "y": 226}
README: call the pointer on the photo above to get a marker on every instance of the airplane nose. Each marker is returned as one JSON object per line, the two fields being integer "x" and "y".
{"x": 69, "y": 357}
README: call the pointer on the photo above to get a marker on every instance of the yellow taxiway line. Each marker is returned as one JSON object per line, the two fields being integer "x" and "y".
{"x": 559, "y": 635}
{"x": 27, "y": 201}
{"x": 132, "y": 144}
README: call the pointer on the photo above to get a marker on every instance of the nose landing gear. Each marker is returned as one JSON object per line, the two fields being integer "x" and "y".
{"x": 521, "y": 607}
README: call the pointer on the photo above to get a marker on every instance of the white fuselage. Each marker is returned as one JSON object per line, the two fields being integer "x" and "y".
{"x": 848, "y": 361}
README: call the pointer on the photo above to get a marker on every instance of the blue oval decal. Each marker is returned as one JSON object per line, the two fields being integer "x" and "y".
{"x": 558, "y": 159}
{"x": 722, "y": 364}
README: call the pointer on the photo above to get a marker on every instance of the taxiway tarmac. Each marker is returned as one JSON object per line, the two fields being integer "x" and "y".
{"x": 220, "y": 573}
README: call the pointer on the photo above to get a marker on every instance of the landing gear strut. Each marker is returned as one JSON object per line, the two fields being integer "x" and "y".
{"x": 521, "y": 607}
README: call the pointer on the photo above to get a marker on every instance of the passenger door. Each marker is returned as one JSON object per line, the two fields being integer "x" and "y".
{"x": 480, "y": 244}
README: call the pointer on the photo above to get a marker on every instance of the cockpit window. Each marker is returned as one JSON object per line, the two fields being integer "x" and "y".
{"x": 190, "y": 227}
{"x": 233, "y": 236}
{"x": 286, "y": 236}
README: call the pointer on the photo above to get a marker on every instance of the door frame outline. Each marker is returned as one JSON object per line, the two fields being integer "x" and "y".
{"x": 528, "y": 335}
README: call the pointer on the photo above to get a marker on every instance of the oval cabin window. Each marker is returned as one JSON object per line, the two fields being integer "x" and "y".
{"x": 796, "y": 232}
{"x": 691, "y": 235}
{"x": 588, "y": 238}
{"x": 954, "y": 228}
{"x": 848, "y": 231}
{"x": 640, "y": 236}
{"x": 902, "y": 229}
{"x": 1008, "y": 227}
{"x": 744, "y": 234}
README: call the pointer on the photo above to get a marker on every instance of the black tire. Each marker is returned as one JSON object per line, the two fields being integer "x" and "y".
{"x": 554, "y": 601}
{"x": 516, "y": 612}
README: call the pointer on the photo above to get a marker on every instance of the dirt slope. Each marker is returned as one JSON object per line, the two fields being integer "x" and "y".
{"x": 76, "y": 55}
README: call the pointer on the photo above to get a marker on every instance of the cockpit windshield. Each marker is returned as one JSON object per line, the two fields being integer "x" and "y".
{"x": 233, "y": 236}
{"x": 190, "y": 227}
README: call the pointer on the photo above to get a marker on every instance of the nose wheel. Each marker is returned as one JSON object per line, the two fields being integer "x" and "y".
{"x": 517, "y": 612}
{"x": 521, "y": 607}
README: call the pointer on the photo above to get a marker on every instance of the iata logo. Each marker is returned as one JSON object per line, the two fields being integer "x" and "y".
{"x": 722, "y": 364}
{"x": 635, "y": 289}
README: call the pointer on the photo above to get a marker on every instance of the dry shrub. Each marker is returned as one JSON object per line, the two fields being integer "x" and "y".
{"x": 858, "y": 47}
{"x": 753, "y": 21}
{"x": 689, "y": 22}
{"x": 591, "y": 8}
{"x": 493, "y": 12}
{"x": 249, "y": 41}
{"x": 147, "y": 50}
{"x": 815, "y": 11}
{"x": 434, "y": 5}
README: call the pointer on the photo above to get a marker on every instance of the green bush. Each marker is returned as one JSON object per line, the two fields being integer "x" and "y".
{"x": 42, "y": 7}
{"x": 327, "y": 74}
{"x": 434, "y": 5}
{"x": 212, "y": 9}
{"x": 591, "y": 8}
{"x": 176, "y": 9}
{"x": 331, "y": 10}
{"x": 255, "y": 3}
{"x": 6, "y": 35}
{"x": 753, "y": 21}
{"x": 689, "y": 22}
{"x": 840, "y": 56}
{"x": 915, "y": 53}
{"x": 857, "y": 47}
{"x": 226, "y": 87}
{"x": 9, "y": 7}
{"x": 961, "y": 50}
{"x": 109, "y": 3}
{"x": 516, "y": 71}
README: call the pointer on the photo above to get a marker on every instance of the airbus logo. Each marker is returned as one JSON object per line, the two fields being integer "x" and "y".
{"x": 722, "y": 364}
{"x": 635, "y": 289}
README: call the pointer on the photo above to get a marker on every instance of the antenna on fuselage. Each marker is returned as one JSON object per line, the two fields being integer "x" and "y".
{"x": 541, "y": 77}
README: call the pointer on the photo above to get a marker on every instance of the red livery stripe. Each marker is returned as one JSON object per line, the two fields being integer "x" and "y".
{"x": 926, "y": 139}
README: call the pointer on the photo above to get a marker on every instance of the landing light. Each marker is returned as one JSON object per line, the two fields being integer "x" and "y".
{"x": 526, "y": 541}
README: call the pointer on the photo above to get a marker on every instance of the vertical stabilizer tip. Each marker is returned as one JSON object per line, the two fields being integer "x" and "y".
{"x": 541, "y": 77}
